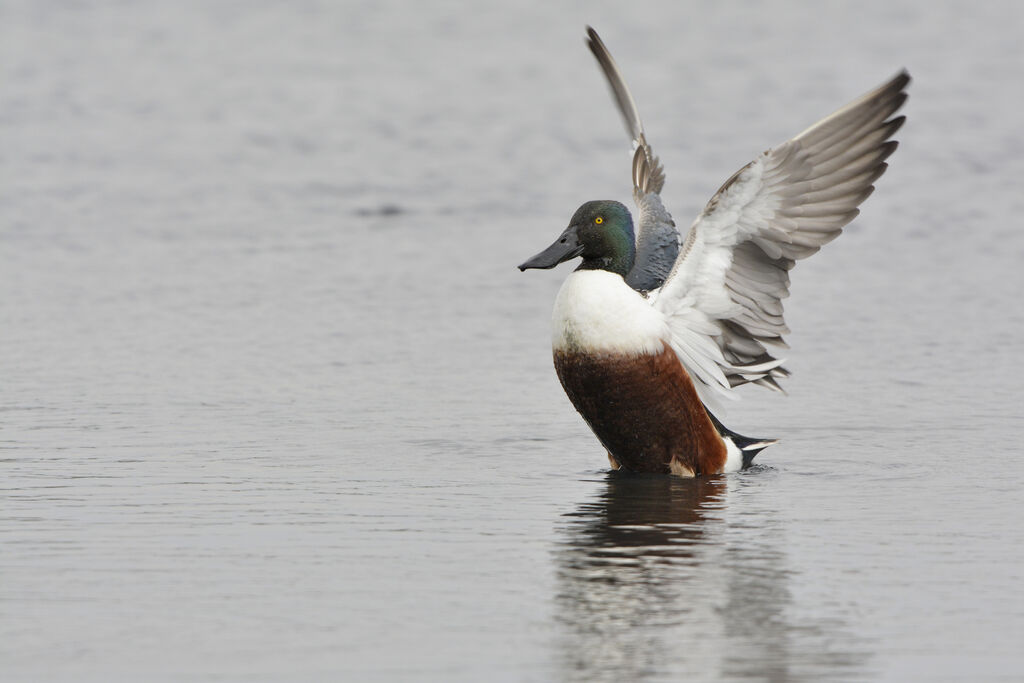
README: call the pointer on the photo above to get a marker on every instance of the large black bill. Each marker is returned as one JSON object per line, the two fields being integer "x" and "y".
{"x": 567, "y": 246}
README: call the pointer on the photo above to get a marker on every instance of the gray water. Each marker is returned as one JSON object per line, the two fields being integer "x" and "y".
{"x": 276, "y": 405}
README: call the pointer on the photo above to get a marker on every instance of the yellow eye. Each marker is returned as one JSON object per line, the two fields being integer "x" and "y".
{"x": 599, "y": 220}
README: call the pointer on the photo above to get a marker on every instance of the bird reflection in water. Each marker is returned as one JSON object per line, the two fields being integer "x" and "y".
{"x": 653, "y": 582}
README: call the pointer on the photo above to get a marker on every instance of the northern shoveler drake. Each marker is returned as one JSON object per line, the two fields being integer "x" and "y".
{"x": 647, "y": 333}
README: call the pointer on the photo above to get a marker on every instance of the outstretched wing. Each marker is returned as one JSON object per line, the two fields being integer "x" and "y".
{"x": 723, "y": 298}
{"x": 657, "y": 240}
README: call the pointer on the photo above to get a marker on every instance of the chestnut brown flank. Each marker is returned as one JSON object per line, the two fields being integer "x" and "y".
{"x": 643, "y": 409}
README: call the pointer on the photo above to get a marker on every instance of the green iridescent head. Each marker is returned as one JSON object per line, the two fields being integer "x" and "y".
{"x": 601, "y": 232}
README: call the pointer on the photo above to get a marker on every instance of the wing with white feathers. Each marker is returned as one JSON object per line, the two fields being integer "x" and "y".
{"x": 723, "y": 298}
{"x": 657, "y": 240}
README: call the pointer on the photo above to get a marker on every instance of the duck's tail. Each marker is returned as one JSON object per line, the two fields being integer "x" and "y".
{"x": 749, "y": 447}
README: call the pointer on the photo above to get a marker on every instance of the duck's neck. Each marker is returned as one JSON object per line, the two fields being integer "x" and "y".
{"x": 619, "y": 263}
{"x": 613, "y": 251}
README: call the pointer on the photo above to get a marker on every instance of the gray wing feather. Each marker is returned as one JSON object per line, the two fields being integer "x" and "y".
{"x": 782, "y": 207}
{"x": 657, "y": 240}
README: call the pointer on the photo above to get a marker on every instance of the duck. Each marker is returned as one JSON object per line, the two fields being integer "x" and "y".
{"x": 653, "y": 331}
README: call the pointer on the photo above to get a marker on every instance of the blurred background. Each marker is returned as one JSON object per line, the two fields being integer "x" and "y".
{"x": 276, "y": 404}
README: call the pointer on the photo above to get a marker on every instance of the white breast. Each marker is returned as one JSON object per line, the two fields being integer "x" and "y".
{"x": 596, "y": 311}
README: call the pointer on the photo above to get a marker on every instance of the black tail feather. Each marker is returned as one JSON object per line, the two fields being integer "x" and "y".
{"x": 748, "y": 446}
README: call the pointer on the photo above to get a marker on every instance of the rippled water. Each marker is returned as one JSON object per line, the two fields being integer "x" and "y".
{"x": 276, "y": 405}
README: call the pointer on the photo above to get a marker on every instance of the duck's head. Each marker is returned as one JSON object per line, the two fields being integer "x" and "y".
{"x": 601, "y": 232}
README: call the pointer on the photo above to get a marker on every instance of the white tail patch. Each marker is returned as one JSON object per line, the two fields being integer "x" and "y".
{"x": 733, "y": 456}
